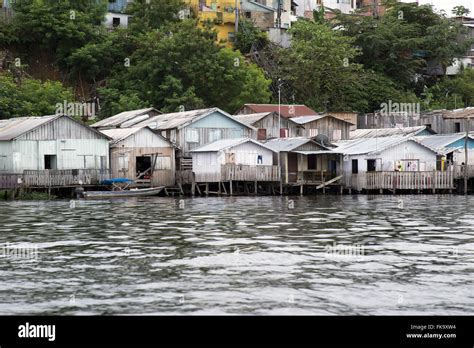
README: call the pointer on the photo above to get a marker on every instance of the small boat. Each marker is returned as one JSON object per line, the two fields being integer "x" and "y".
{"x": 123, "y": 193}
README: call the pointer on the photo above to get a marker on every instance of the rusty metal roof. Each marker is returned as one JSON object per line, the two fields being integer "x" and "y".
{"x": 285, "y": 110}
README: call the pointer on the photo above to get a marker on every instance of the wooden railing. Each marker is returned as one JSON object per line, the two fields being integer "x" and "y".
{"x": 250, "y": 173}
{"x": 62, "y": 178}
{"x": 459, "y": 171}
{"x": 10, "y": 181}
{"x": 230, "y": 172}
{"x": 401, "y": 180}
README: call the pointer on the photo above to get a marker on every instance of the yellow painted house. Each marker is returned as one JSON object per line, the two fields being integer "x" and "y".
{"x": 219, "y": 12}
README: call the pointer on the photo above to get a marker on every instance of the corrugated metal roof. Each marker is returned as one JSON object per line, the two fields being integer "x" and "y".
{"x": 285, "y": 110}
{"x": 125, "y": 119}
{"x": 318, "y": 152}
{"x": 306, "y": 119}
{"x": 441, "y": 142}
{"x": 250, "y": 119}
{"x": 181, "y": 119}
{"x": 374, "y": 145}
{"x": 385, "y": 132}
{"x": 14, "y": 127}
{"x": 223, "y": 144}
{"x": 287, "y": 144}
{"x": 119, "y": 134}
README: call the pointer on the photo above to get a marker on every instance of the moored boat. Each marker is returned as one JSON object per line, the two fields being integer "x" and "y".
{"x": 123, "y": 193}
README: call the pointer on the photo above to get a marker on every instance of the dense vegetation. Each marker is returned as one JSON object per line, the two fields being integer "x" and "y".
{"x": 58, "y": 50}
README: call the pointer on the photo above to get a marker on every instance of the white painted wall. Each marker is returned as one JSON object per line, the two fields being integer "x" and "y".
{"x": 23, "y": 155}
{"x": 110, "y": 16}
{"x": 406, "y": 151}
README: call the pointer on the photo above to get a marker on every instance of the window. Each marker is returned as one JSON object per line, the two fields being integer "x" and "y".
{"x": 313, "y": 133}
{"x": 259, "y": 159}
{"x": 355, "y": 166}
{"x": 192, "y": 135}
{"x": 312, "y": 164}
{"x": 123, "y": 162}
{"x": 337, "y": 134}
{"x": 230, "y": 158}
{"x": 371, "y": 165}
{"x": 115, "y": 22}
{"x": 457, "y": 127}
{"x": 262, "y": 134}
{"x": 163, "y": 163}
{"x": 248, "y": 14}
{"x": 284, "y": 132}
{"x": 103, "y": 162}
{"x": 428, "y": 125}
{"x": 214, "y": 134}
{"x": 50, "y": 162}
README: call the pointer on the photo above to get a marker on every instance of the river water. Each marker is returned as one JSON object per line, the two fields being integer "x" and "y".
{"x": 323, "y": 255}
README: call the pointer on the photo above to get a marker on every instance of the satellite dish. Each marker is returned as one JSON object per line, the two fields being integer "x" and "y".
{"x": 322, "y": 139}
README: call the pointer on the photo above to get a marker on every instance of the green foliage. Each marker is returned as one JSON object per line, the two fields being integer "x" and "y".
{"x": 248, "y": 35}
{"x": 179, "y": 65}
{"x": 319, "y": 65}
{"x": 453, "y": 92}
{"x": 403, "y": 42}
{"x": 154, "y": 14}
{"x": 460, "y": 11}
{"x": 57, "y": 27}
{"x": 30, "y": 97}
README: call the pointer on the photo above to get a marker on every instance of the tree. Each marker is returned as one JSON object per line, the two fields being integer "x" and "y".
{"x": 248, "y": 35}
{"x": 179, "y": 65}
{"x": 319, "y": 67}
{"x": 404, "y": 42}
{"x": 460, "y": 11}
{"x": 154, "y": 14}
{"x": 455, "y": 92}
{"x": 30, "y": 97}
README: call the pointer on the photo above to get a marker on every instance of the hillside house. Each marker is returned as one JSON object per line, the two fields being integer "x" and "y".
{"x": 141, "y": 155}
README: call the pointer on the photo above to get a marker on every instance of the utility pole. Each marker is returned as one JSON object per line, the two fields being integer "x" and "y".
{"x": 236, "y": 18}
{"x": 279, "y": 14}
{"x": 466, "y": 157}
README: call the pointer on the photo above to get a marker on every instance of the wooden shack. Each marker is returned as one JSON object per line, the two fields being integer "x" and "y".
{"x": 269, "y": 125}
{"x": 303, "y": 160}
{"x": 141, "y": 155}
{"x": 240, "y": 159}
{"x": 192, "y": 129}
{"x": 53, "y": 151}
{"x": 397, "y": 162}
{"x": 312, "y": 126}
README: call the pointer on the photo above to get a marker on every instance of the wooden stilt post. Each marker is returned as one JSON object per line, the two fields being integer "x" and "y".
{"x": 207, "y": 189}
{"x": 301, "y": 189}
{"x": 230, "y": 187}
{"x": 256, "y": 188}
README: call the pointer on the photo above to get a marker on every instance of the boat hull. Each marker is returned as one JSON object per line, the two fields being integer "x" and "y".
{"x": 123, "y": 194}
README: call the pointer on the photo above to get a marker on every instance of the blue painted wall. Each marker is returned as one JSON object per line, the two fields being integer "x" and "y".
{"x": 117, "y": 6}
{"x": 217, "y": 120}
{"x": 460, "y": 143}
